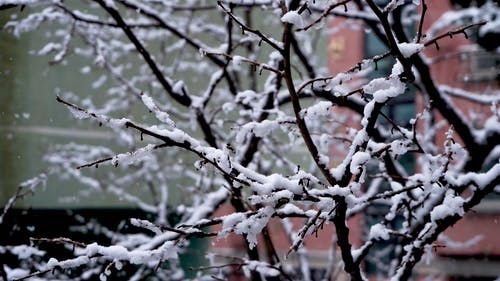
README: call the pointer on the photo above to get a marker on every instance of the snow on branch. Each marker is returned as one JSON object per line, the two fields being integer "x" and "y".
{"x": 230, "y": 119}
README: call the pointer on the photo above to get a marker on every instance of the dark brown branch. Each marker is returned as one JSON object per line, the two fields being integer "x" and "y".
{"x": 36, "y": 273}
{"x": 390, "y": 194}
{"x": 341, "y": 207}
{"x": 445, "y": 108}
{"x": 407, "y": 74}
{"x": 443, "y": 224}
{"x": 181, "y": 98}
{"x": 312, "y": 221}
{"x": 357, "y": 67}
{"x": 60, "y": 240}
{"x": 251, "y": 62}
{"x": 165, "y": 139}
{"x": 104, "y": 23}
{"x": 343, "y": 242}
{"x": 460, "y": 30}
{"x": 304, "y": 131}
{"x": 244, "y": 27}
{"x": 190, "y": 41}
{"x": 302, "y": 57}
{"x": 325, "y": 13}
{"x": 8, "y": 6}
{"x": 107, "y": 159}
{"x": 421, "y": 23}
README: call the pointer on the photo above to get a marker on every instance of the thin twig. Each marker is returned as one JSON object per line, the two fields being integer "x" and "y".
{"x": 244, "y": 27}
{"x": 460, "y": 30}
{"x": 60, "y": 240}
{"x": 249, "y": 61}
{"x": 325, "y": 13}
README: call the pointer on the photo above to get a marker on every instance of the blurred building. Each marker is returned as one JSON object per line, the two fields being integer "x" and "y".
{"x": 471, "y": 248}
{"x": 474, "y": 66}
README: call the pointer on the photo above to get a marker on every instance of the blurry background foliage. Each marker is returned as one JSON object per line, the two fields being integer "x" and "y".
{"x": 32, "y": 122}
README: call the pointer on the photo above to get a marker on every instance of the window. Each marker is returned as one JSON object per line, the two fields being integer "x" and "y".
{"x": 481, "y": 67}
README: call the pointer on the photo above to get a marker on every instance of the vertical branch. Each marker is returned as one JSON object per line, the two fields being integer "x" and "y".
{"x": 250, "y": 51}
{"x": 342, "y": 231}
{"x": 302, "y": 57}
{"x": 407, "y": 74}
{"x": 304, "y": 131}
{"x": 421, "y": 23}
{"x": 341, "y": 206}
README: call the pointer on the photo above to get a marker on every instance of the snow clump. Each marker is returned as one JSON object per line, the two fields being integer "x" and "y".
{"x": 294, "y": 18}
{"x": 409, "y": 49}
